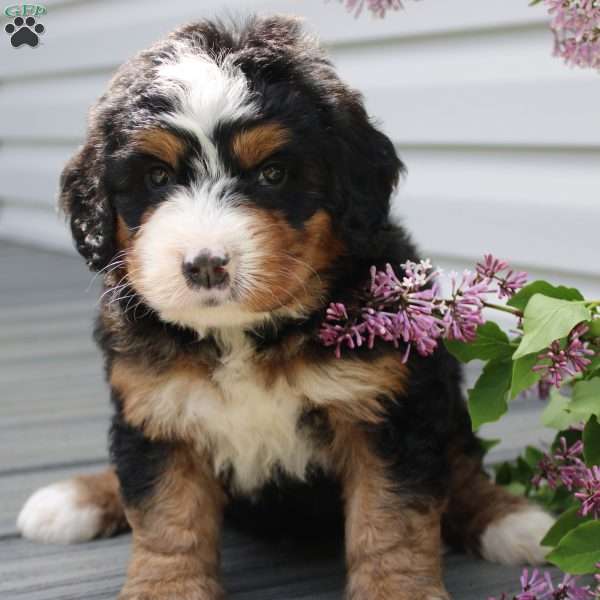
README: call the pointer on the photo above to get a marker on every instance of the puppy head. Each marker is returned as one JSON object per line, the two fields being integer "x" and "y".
{"x": 228, "y": 171}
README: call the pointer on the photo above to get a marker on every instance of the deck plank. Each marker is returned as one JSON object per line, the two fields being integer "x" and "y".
{"x": 252, "y": 570}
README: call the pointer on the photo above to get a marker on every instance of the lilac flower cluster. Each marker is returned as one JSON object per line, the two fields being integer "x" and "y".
{"x": 559, "y": 362}
{"x": 565, "y": 466}
{"x": 539, "y": 586}
{"x": 576, "y": 26}
{"x": 378, "y": 8}
{"x": 408, "y": 309}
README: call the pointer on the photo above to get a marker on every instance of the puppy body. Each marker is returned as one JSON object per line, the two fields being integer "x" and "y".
{"x": 230, "y": 188}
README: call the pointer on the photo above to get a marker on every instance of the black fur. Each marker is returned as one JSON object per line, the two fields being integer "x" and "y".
{"x": 348, "y": 168}
{"x": 139, "y": 461}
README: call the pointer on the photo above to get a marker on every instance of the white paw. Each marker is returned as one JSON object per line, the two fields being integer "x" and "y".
{"x": 54, "y": 514}
{"x": 515, "y": 539}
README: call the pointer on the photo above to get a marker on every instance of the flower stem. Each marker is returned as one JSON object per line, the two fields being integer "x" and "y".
{"x": 506, "y": 309}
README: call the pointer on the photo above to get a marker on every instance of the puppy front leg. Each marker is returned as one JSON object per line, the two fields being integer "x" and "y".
{"x": 393, "y": 543}
{"x": 176, "y": 533}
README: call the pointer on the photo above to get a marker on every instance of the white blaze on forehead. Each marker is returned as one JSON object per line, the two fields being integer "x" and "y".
{"x": 206, "y": 93}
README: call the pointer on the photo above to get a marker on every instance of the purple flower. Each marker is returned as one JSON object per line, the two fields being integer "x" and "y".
{"x": 463, "y": 313}
{"x": 568, "y": 589}
{"x": 564, "y": 466}
{"x": 540, "y": 587}
{"x": 511, "y": 283}
{"x": 492, "y": 269}
{"x": 408, "y": 309}
{"x": 589, "y": 495}
{"x": 490, "y": 266}
{"x": 534, "y": 587}
{"x": 337, "y": 312}
{"x": 377, "y": 7}
{"x": 395, "y": 310}
{"x": 576, "y": 26}
{"x": 559, "y": 362}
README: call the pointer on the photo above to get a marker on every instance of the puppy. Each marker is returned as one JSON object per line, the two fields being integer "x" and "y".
{"x": 230, "y": 187}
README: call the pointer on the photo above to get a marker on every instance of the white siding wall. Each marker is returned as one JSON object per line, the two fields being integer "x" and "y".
{"x": 502, "y": 141}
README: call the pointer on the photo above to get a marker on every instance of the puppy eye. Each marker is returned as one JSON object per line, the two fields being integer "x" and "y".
{"x": 158, "y": 177}
{"x": 272, "y": 174}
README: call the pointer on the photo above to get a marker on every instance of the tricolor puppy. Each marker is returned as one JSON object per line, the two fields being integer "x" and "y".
{"x": 230, "y": 187}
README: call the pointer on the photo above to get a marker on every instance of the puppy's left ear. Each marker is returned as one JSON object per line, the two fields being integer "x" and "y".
{"x": 84, "y": 201}
{"x": 367, "y": 170}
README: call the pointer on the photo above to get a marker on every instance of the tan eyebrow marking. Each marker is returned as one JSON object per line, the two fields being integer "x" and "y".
{"x": 252, "y": 146}
{"x": 165, "y": 145}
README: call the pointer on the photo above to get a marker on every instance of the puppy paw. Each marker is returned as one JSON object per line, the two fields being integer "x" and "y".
{"x": 54, "y": 514}
{"x": 515, "y": 538}
{"x": 395, "y": 587}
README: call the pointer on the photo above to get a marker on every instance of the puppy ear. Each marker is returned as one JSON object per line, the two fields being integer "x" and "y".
{"x": 84, "y": 201}
{"x": 367, "y": 170}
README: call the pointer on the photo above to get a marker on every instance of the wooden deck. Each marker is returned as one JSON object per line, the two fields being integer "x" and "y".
{"x": 54, "y": 413}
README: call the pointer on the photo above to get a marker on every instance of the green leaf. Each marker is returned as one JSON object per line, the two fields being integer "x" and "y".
{"x": 533, "y": 456}
{"x": 522, "y": 297}
{"x": 503, "y": 473}
{"x": 516, "y": 488}
{"x": 595, "y": 364}
{"x": 594, "y": 328}
{"x": 548, "y": 319}
{"x": 522, "y": 376}
{"x": 591, "y": 442}
{"x": 568, "y": 521}
{"x": 557, "y": 413}
{"x": 491, "y": 343}
{"x": 579, "y": 551}
{"x": 487, "y": 400}
{"x": 586, "y": 399}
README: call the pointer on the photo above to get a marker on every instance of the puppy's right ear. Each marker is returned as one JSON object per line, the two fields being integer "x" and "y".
{"x": 84, "y": 200}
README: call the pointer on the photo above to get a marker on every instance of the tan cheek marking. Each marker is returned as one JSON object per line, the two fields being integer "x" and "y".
{"x": 123, "y": 234}
{"x": 127, "y": 240}
{"x": 164, "y": 145}
{"x": 292, "y": 260}
{"x": 252, "y": 146}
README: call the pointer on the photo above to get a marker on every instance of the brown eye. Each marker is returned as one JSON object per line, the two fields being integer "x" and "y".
{"x": 272, "y": 174}
{"x": 158, "y": 177}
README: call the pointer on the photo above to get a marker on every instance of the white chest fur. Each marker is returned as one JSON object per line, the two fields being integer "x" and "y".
{"x": 255, "y": 428}
{"x": 249, "y": 426}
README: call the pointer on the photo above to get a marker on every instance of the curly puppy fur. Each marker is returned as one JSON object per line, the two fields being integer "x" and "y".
{"x": 230, "y": 187}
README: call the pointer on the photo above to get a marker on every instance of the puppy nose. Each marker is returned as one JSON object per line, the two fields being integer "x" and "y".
{"x": 206, "y": 271}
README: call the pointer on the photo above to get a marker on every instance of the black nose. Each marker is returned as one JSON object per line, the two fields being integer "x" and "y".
{"x": 206, "y": 271}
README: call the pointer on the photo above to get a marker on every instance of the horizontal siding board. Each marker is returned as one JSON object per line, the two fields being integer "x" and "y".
{"x": 30, "y": 173}
{"x": 35, "y": 226}
{"x": 87, "y": 26}
{"x": 554, "y": 238}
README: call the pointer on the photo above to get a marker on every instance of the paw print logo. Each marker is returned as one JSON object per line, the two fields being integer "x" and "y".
{"x": 24, "y": 31}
